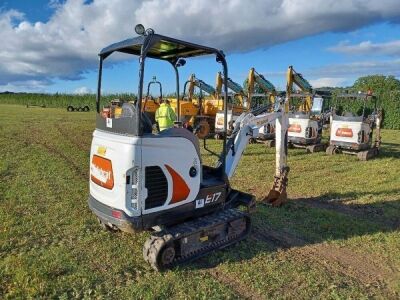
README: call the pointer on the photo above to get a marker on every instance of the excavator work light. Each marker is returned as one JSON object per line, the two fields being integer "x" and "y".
{"x": 180, "y": 62}
{"x": 139, "y": 29}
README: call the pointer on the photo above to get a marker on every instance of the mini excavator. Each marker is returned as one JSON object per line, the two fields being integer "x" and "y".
{"x": 157, "y": 182}
{"x": 237, "y": 104}
{"x": 353, "y": 134}
{"x": 305, "y": 124}
{"x": 208, "y": 106}
{"x": 267, "y": 132}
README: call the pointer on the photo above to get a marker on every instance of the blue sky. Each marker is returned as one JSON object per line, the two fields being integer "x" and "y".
{"x": 54, "y": 43}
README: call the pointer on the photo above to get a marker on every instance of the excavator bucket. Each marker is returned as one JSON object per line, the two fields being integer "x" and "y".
{"x": 277, "y": 195}
{"x": 275, "y": 198}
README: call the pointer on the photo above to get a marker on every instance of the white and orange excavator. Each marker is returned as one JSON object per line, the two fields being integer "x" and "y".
{"x": 306, "y": 121}
{"x": 157, "y": 182}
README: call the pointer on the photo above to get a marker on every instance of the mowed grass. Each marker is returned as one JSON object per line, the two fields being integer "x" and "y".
{"x": 337, "y": 237}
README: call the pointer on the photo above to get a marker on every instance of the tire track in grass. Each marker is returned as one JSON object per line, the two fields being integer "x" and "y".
{"x": 365, "y": 269}
{"x": 368, "y": 270}
{"x": 72, "y": 139}
{"x": 33, "y": 138}
{"x": 263, "y": 234}
{"x": 374, "y": 215}
{"x": 278, "y": 239}
{"x": 242, "y": 290}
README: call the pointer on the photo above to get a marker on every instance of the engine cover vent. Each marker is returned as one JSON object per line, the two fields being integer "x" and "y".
{"x": 157, "y": 187}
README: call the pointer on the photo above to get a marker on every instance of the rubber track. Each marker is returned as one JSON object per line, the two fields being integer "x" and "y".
{"x": 156, "y": 242}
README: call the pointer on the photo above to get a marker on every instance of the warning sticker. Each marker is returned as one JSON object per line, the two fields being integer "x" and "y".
{"x": 109, "y": 122}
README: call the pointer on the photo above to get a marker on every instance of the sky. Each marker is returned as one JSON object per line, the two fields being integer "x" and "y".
{"x": 51, "y": 46}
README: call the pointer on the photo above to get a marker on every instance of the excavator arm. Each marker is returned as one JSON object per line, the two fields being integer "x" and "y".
{"x": 235, "y": 87}
{"x": 194, "y": 82}
{"x": 294, "y": 78}
{"x": 267, "y": 87}
{"x": 245, "y": 128}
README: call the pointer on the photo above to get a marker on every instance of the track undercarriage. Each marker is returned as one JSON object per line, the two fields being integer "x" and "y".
{"x": 195, "y": 238}
{"x": 363, "y": 155}
{"x": 310, "y": 148}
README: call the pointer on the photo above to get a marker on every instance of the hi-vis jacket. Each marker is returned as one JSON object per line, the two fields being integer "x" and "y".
{"x": 165, "y": 116}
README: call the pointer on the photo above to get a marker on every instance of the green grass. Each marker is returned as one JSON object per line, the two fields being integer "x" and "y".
{"x": 338, "y": 236}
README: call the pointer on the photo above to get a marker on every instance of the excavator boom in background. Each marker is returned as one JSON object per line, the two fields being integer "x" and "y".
{"x": 237, "y": 104}
{"x": 269, "y": 96}
{"x": 208, "y": 106}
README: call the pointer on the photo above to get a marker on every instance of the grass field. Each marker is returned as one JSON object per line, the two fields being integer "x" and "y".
{"x": 337, "y": 237}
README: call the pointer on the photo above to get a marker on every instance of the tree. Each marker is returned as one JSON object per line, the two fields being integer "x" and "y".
{"x": 377, "y": 83}
{"x": 387, "y": 89}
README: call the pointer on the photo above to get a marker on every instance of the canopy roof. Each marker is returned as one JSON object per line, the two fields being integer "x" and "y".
{"x": 159, "y": 47}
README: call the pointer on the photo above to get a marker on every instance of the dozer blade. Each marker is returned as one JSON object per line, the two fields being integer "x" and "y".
{"x": 275, "y": 198}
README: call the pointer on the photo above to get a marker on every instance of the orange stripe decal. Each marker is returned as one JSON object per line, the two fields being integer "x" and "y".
{"x": 180, "y": 190}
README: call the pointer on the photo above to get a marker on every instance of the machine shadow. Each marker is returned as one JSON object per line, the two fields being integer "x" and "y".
{"x": 365, "y": 219}
{"x": 389, "y": 150}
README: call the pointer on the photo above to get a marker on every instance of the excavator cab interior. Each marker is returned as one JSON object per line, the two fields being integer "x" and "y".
{"x": 363, "y": 112}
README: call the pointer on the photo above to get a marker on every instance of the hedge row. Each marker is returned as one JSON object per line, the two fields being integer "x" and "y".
{"x": 59, "y": 100}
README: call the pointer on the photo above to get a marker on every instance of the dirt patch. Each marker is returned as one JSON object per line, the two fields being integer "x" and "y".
{"x": 366, "y": 269}
{"x": 242, "y": 290}
{"x": 278, "y": 239}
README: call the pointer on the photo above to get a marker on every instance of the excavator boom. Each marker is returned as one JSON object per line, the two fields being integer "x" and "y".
{"x": 294, "y": 78}
{"x": 262, "y": 82}
{"x": 246, "y": 127}
{"x": 195, "y": 82}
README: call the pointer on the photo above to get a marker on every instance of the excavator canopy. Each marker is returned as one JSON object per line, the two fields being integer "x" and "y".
{"x": 159, "y": 47}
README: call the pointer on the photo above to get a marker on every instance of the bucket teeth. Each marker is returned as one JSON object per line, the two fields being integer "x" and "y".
{"x": 275, "y": 198}
{"x": 278, "y": 195}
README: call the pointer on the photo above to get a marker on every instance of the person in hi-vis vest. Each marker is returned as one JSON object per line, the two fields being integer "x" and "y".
{"x": 165, "y": 116}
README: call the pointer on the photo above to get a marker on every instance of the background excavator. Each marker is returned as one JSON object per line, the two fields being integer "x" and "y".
{"x": 237, "y": 103}
{"x": 352, "y": 133}
{"x": 267, "y": 132}
{"x": 145, "y": 181}
{"x": 306, "y": 120}
{"x": 208, "y": 106}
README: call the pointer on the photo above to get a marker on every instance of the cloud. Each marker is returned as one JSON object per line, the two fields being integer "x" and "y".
{"x": 34, "y": 86}
{"x": 354, "y": 69}
{"x": 328, "y": 81}
{"x": 66, "y": 46}
{"x": 391, "y": 48}
{"x": 83, "y": 90}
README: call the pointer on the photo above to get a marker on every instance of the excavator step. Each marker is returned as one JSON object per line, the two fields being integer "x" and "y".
{"x": 193, "y": 239}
